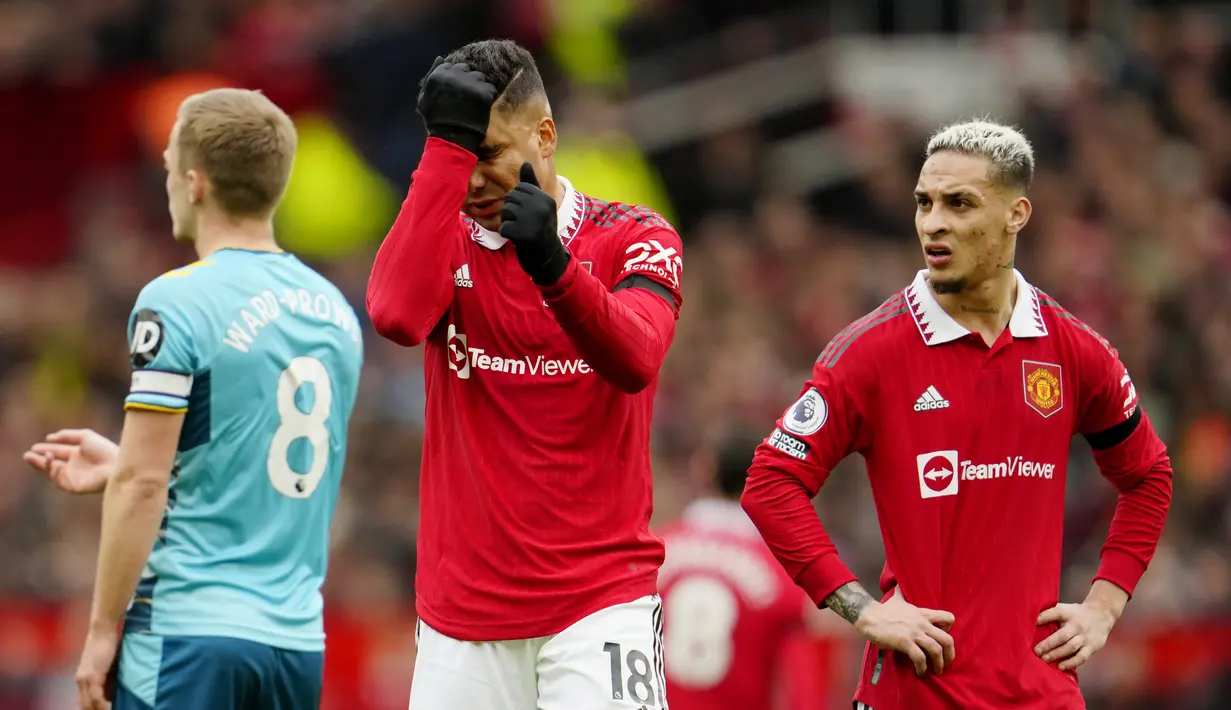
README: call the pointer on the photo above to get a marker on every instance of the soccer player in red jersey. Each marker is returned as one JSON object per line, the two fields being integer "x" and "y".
{"x": 733, "y": 616}
{"x": 962, "y": 393}
{"x": 545, "y": 315}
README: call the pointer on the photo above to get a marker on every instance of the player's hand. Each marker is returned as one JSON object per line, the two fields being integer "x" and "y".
{"x": 920, "y": 634}
{"x": 96, "y": 660}
{"x": 529, "y": 221}
{"x": 456, "y": 103}
{"x": 76, "y": 460}
{"x": 1083, "y": 633}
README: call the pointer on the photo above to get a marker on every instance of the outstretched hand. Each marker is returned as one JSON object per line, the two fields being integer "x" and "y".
{"x": 76, "y": 460}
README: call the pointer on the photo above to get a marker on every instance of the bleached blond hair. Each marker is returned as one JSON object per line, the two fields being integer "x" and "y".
{"x": 1010, "y": 154}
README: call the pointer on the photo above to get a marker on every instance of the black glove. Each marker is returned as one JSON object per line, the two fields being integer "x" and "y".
{"x": 456, "y": 103}
{"x": 529, "y": 221}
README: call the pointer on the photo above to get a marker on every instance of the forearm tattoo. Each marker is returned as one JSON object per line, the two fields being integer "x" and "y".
{"x": 848, "y": 601}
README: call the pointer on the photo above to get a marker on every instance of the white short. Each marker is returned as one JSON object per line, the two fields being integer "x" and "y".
{"x": 610, "y": 660}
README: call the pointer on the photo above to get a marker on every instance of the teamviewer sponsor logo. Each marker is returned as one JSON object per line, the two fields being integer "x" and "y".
{"x": 937, "y": 473}
{"x": 940, "y": 471}
{"x": 1011, "y": 466}
{"x": 459, "y": 353}
{"x": 464, "y": 359}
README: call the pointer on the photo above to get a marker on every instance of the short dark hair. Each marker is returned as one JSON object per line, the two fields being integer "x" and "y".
{"x": 732, "y": 459}
{"x": 509, "y": 66}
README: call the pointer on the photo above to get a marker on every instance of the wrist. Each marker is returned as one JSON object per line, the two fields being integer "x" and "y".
{"x": 100, "y": 628}
{"x": 1107, "y": 598}
{"x": 545, "y": 263}
{"x": 555, "y": 264}
{"x": 866, "y": 615}
{"x": 465, "y": 138}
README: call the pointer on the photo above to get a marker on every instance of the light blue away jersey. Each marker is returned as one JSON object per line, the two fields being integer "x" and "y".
{"x": 262, "y": 355}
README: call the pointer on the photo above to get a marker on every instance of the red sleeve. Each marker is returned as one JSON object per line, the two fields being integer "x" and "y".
{"x": 656, "y": 253}
{"x": 411, "y": 287}
{"x": 1130, "y": 454}
{"x": 820, "y": 429}
{"x": 622, "y": 336}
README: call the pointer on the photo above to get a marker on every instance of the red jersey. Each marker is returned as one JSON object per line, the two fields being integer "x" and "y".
{"x": 966, "y": 449}
{"x": 535, "y": 491}
{"x": 729, "y": 610}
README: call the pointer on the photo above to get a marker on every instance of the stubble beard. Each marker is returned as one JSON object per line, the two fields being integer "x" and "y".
{"x": 956, "y": 285}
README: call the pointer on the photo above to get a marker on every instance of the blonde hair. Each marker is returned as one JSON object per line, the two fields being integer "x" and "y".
{"x": 1011, "y": 155}
{"x": 243, "y": 143}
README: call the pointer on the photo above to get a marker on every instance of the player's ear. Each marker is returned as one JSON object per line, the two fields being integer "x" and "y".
{"x": 1019, "y": 214}
{"x": 547, "y": 136}
{"x": 197, "y": 183}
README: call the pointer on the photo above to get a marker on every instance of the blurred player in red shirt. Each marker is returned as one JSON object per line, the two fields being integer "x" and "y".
{"x": 962, "y": 393}
{"x": 735, "y": 622}
{"x": 545, "y": 315}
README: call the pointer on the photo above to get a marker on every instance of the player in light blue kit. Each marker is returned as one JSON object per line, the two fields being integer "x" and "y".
{"x": 246, "y": 366}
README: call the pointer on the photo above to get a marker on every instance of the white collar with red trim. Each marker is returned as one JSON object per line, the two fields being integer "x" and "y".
{"x": 936, "y": 326}
{"x": 568, "y": 219}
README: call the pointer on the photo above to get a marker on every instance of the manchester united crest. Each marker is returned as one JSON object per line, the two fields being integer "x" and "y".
{"x": 1044, "y": 391}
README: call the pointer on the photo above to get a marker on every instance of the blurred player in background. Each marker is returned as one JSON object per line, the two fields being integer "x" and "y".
{"x": 962, "y": 393}
{"x": 545, "y": 315}
{"x": 735, "y": 622}
{"x": 245, "y": 370}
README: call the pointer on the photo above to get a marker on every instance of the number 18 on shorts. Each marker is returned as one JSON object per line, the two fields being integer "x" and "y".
{"x": 610, "y": 660}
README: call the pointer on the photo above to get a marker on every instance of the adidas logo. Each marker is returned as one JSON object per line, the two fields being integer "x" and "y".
{"x": 930, "y": 399}
{"x": 461, "y": 277}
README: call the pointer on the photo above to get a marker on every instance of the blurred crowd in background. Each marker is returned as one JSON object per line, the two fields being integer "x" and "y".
{"x": 782, "y": 138}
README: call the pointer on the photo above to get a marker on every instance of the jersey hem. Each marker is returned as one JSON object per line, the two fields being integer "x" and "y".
{"x": 315, "y": 643}
{"x": 539, "y": 627}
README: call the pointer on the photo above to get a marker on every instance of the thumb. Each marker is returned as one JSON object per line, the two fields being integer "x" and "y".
{"x": 1054, "y": 614}
{"x": 527, "y": 174}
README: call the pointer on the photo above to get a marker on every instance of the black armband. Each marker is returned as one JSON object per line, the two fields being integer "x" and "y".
{"x": 1111, "y": 437}
{"x": 639, "y": 281}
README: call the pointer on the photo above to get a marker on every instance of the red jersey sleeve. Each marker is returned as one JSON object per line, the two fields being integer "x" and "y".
{"x": 1130, "y": 454}
{"x": 624, "y": 333}
{"x": 825, "y": 425}
{"x": 651, "y": 249}
{"x": 1110, "y": 397}
{"x": 411, "y": 287}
